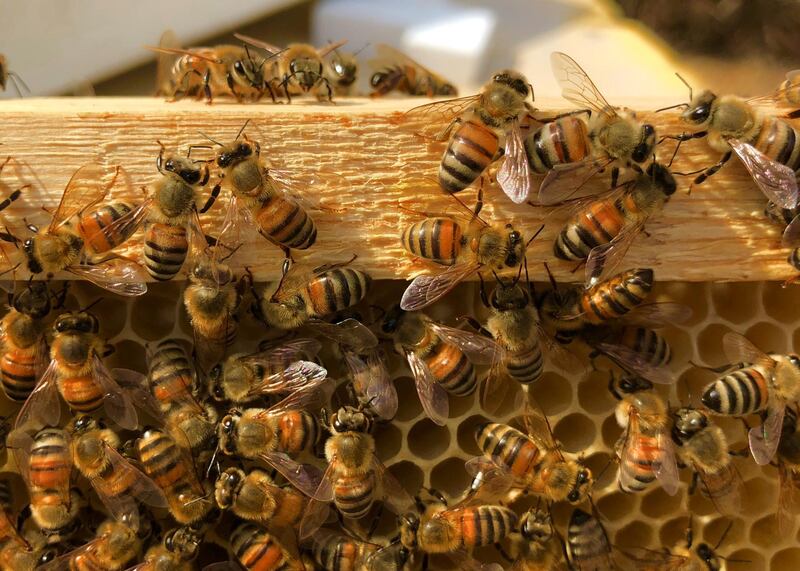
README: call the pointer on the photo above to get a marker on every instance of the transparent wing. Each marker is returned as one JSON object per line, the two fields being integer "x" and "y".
{"x": 232, "y": 223}
{"x": 778, "y": 182}
{"x": 276, "y": 356}
{"x": 576, "y": 85}
{"x": 739, "y": 349}
{"x": 495, "y": 387}
{"x": 514, "y": 175}
{"x": 121, "y": 229}
{"x": 433, "y": 397}
{"x": 479, "y": 348}
{"x": 560, "y": 356}
{"x": 65, "y": 562}
{"x": 764, "y": 439}
{"x": 384, "y": 558}
{"x": 196, "y": 54}
{"x": 87, "y": 187}
{"x": 425, "y": 290}
{"x": 658, "y": 314}
{"x": 635, "y": 363}
{"x": 116, "y": 403}
{"x": 394, "y": 494}
{"x": 788, "y": 498}
{"x": 791, "y": 234}
{"x": 316, "y": 513}
{"x": 262, "y": 45}
{"x": 372, "y": 382}
{"x": 304, "y": 477}
{"x": 165, "y": 60}
{"x": 434, "y": 120}
{"x": 117, "y": 275}
{"x": 723, "y": 487}
{"x": 43, "y": 406}
{"x": 627, "y": 449}
{"x": 297, "y": 185}
{"x": 605, "y": 258}
{"x": 307, "y": 397}
{"x": 350, "y": 332}
{"x": 571, "y": 181}
{"x": 493, "y": 481}
{"x": 297, "y": 376}
{"x": 665, "y": 466}
{"x": 650, "y": 559}
{"x": 135, "y": 385}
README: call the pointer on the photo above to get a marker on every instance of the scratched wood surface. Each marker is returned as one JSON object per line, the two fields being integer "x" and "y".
{"x": 363, "y": 166}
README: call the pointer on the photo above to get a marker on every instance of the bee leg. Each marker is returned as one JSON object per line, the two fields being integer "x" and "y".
{"x": 232, "y": 86}
{"x": 711, "y": 171}
{"x": 212, "y": 198}
{"x": 207, "y": 86}
{"x": 684, "y": 136}
{"x": 693, "y": 483}
{"x": 614, "y": 176}
{"x": 7, "y": 236}
{"x": 376, "y": 519}
{"x": 612, "y": 386}
{"x": 285, "y": 84}
{"x": 108, "y": 350}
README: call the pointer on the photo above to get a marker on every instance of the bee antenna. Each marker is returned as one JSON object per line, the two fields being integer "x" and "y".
{"x": 553, "y": 282}
{"x": 686, "y": 83}
{"x": 603, "y": 471}
{"x": 539, "y": 231}
{"x": 519, "y": 271}
{"x": 91, "y": 305}
{"x": 361, "y": 49}
{"x": 675, "y": 153}
{"x": 239, "y": 134}
{"x": 213, "y": 462}
{"x": 684, "y": 105}
{"x": 210, "y": 139}
{"x": 724, "y": 535}
{"x": 18, "y": 81}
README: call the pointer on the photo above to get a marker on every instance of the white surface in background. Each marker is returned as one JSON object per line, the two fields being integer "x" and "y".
{"x": 56, "y": 44}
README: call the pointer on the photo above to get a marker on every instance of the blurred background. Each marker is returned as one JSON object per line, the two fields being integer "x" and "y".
{"x": 627, "y": 46}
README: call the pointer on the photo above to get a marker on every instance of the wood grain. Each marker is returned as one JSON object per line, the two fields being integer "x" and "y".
{"x": 365, "y": 166}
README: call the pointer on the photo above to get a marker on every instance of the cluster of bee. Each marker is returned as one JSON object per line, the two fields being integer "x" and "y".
{"x": 259, "y": 446}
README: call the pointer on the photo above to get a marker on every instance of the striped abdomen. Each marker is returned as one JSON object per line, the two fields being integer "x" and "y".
{"x": 647, "y": 343}
{"x": 335, "y": 290}
{"x": 18, "y": 370}
{"x": 587, "y": 543}
{"x": 257, "y": 550}
{"x": 296, "y": 431}
{"x": 50, "y": 462}
{"x": 525, "y": 365}
{"x": 472, "y": 148}
{"x": 565, "y": 140}
{"x": 81, "y": 392}
{"x": 285, "y": 222}
{"x": 794, "y": 258}
{"x": 637, "y": 466}
{"x": 617, "y": 296}
{"x": 741, "y": 392}
{"x": 165, "y": 249}
{"x": 451, "y": 368}
{"x": 354, "y": 494}
{"x": 436, "y": 239}
{"x": 93, "y": 227}
{"x": 597, "y": 224}
{"x": 779, "y": 141}
{"x": 171, "y": 374}
{"x": 508, "y": 447}
{"x": 475, "y": 526}
{"x": 336, "y": 552}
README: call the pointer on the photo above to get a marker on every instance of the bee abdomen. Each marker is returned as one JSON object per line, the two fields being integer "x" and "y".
{"x": 93, "y": 227}
{"x": 165, "y": 248}
{"x": 18, "y": 368}
{"x": 297, "y": 431}
{"x": 648, "y": 344}
{"x": 508, "y": 446}
{"x": 336, "y": 290}
{"x": 81, "y": 393}
{"x": 616, "y": 297}
{"x": 598, "y": 224}
{"x": 435, "y": 239}
{"x": 779, "y": 141}
{"x": 637, "y": 470}
{"x": 451, "y": 369}
{"x": 472, "y": 148}
{"x": 741, "y": 392}
{"x": 485, "y": 525}
{"x": 285, "y": 222}
{"x": 336, "y": 553}
{"x": 354, "y": 494}
{"x": 257, "y": 550}
{"x": 171, "y": 376}
{"x": 525, "y": 366}
{"x": 586, "y": 541}
{"x": 562, "y": 141}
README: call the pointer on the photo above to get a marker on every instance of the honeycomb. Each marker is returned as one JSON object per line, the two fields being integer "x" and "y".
{"x": 420, "y": 453}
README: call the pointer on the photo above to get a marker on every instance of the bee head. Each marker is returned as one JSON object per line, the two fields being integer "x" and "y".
{"x": 409, "y": 525}
{"x": 47, "y": 555}
{"x": 215, "y": 383}
{"x": 509, "y": 297}
{"x": 84, "y": 423}
{"x": 236, "y": 153}
{"x": 184, "y": 168}
{"x": 307, "y": 71}
{"x": 706, "y": 553}
{"x": 646, "y": 144}
{"x": 536, "y": 525}
{"x": 699, "y": 110}
{"x": 184, "y": 541}
{"x": 248, "y": 71}
{"x": 514, "y": 80}
{"x": 34, "y": 300}
{"x": 226, "y": 431}
{"x": 633, "y": 384}
{"x": 581, "y": 485}
{"x": 687, "y": 422}
{"x": 227, "y": 486}
{"x": 392, "y": 319}
{"x": 344, "y": 67}
{"x": 77, "y": 322}
{"x": 350, "y": 419}
{"x": 29, "y": 248}
{"x": 661, "y": 178}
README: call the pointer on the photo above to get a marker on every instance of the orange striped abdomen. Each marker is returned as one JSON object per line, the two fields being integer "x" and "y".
{"x": 296, "y": 431}
{"x": 738, "y": 393}
{"x": 637, "y": 470}
{"x": 474, "y": 526}
{"x": 50, "y": 461}
{"x": 437, "y": 239}
{"x": 472, "y": 148}
{"x": 82, "y": 393}
{"x": 285, "y": 222}
{"x": 508, "y": 447}
{"x": 93, "y": 227}
{"x": 257, "y": 550}
{"x": 565, "y": 140}
{"x": 451, "y": 368}
{"x": 617, "y": 296}
{"x": 779, "y": 141}
{"x": 525, "y": 365}
{"x": 18, "y": 370}
{"x": 354, "y": 494}
{"x": 336, "y": 290}
{"x": 597, "y": 224}
{"x": 165, "y": 249}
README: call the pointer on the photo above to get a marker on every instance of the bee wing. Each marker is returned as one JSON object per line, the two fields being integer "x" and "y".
{"x": 788, "y": 498}
{"x": 514, "y": 175}
{"x": 389, "y": 57}
{"x": 121, "y": 229}
{"x": 140, "y": 488}
{"x": 432, "y": 396}
{"x": 316, "y": 513}
{"x": 479, "y": 348}
{"x": 165, "y": 60}
{"x": 305, "y": 477}
{"x": 42, "y": 407}
{"x": 635, "y": 363}
{"x": 626, "y": 448}
{"x": 605, "y": 258}
{"x": 296, "y": 185}
{"x": 658, "y": 314}
{"x": 372, "y": 382}
{"x": 493, "y": 480}
{"x": 267, "y": 47}
{"x": 570, "y": 181}
{"x": 665, "y": 466}
{"x": 306, "y": 397}
{"x": 764, "y": 439}
{"x": 425, "y": 290}
{"x": 135, "y": 385}
{"x": 560, "y": 356}
{"x": 433, "y": 121}
{"x": 739, "y": 349}
{"x": 87, "y": 187}
{"x": 651, "y": 559}
{"x": 65, "y": 562}
{"x": 349, "y": 332}
{"x": 117, "y": 404}
{"x": 495, "y": 387}
{"x": 576, "y": 86}
{"x": 276, "y": 355}
{"x": 197, "y": 54}
{"x": 117, "y": 275}
{"x": 298, "y": 375}
{"x": 232, "y": 223}
{"x": 723, "y": 487}
{"x": 776, "y": 181}
{"x": 791, "y": 234}
{"x": 394, "y": 494}
{"x": 387, "y": 557}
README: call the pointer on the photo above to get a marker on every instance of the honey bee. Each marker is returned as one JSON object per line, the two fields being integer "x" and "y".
{"x": 645, "y": 449}
{"x": 529, "y": 461}
{"x": 685, "y": 556}
{"x": 298, "y": 69}
{"x": 254, "y": 496}
{"x": 258, "y": 550}
{"x": 62, "y": 246}
{"x": 481, "y": 129}
{"x": 765, "y": 384}
{"x": 174, "y": 473}
{"x": 175, "y": 553}
{"x": 6, "y": 74}
{"x": 355, "y": 479}
{"x": 570, "y": 151}
{"x": 209, "y": 71}
{"x": 24, "y": 346}
{"x": 440, "y": 358}
{"x": 766, "y": 145}
{"x": 539, "y": 546}
{"x": 588, "y": 547}
{"x": 274, "y": 434}
{"x": 341, "y": 71}
{"x": 703, "y": 447}
{"x": 115, "y": 544}
{"x": 395, "y": 71}
{"x": 118, "y": 483}
{"x": 789, "y": 471}
{"x": 464, "y": 249}
{"x": 334, "y": 551}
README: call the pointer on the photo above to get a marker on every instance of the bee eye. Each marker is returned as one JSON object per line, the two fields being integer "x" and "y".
{"x": 700, "y": 113}
{"x": 583, "y": 477}
{"x": 573, "y": 496}
{"x": 338, "y": 68}
{"x": 238, "y": 67}
{"x": 169, "y": 165}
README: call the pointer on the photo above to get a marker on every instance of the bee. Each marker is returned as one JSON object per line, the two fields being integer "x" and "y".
{"x": 538, "y": 544}
{"x": 254, "y": 496}
{"x": 172, "y": 471}
{"x": 274, "y": 434}
{"x": 62, "y": 246}
{"x": 118, "y": 483}
{"x": 22, "y": 334}
{"x": 115, "y": 544}
{"x": 303, "y": 296}
{"x": 7, "y": 74}
{"x": 788, "y": 457}
{"x": 341, "y": 71}
{"x": 570, "y": 151}
{"x": 481, "y": 129}
{"x": 648, "y": 344}
{"x": 395, "y": 71}
{"x": 440, "y": 358}
{"x": 766, "y": 145}
{"x": 78, "y": 374}
{"x": 685, "y": 556}
{"x": 703, "y": 447}
{"x": 529, "y": 461}
{"x": 298, "y": 69}
{"x": 334, "y": 551}
{"x": 205, "y": 72}
{"x": 464, "y": 249}
{"x": 258, "y": 550}
{"x": 588, "y": 547}
{"x": 175, "y": 552}
{"x": 766, "y": 384}
{"x": 355, "y": 479}
{"x": 645, "y": 449}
